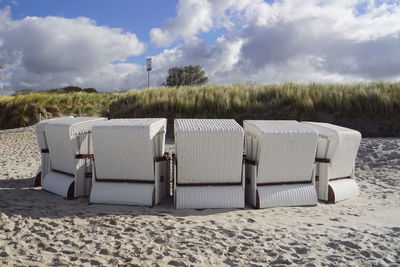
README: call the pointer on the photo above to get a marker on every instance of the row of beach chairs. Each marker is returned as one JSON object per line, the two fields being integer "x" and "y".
{"x": 217, "y": 163}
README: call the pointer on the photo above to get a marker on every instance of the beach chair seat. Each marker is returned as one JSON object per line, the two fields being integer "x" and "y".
{"x": 44, "y": 150}
{"x": 130, "y": 166}
{"x": 70, "y": 147}
{"x": 279, "y": 163}
{"x": 209, "y": 164}
{"x": 336, "y": 154}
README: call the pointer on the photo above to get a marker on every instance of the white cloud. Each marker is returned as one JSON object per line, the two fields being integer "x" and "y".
{"x": 193, "y": 16}
{"x": 309, "y": 40}
{"x": 300, "y": 41}
{"x": 46, "y": 52}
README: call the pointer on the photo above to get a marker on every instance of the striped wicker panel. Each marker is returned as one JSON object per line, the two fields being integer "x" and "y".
{"x": 208, "y": 151}
{"x": 206, "y": 197}
{"x": 287, "y": 195}
{"x": 285, "y": 150}
{"x": 125, "y": 149}
{"x": 83, "y": 125}
{"x": 122, "y": 194}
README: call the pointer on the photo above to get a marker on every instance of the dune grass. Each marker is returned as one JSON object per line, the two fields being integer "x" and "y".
{"x": 373, "y": 108}
{"x": 25, "y": 110}
{"x": 348, "y": 100}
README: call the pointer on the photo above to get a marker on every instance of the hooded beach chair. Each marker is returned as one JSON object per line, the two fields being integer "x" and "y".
{"x": 130, "y": 167}
{"x": 44, "y": 150}
{"x": 280, "y": 163}
{"x": 69, "y": 145}
{"x": 209, "y": 164}
{"x": 336, "y": 154}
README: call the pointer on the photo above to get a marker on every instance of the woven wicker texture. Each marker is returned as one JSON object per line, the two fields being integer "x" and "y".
{"x": 205, "y": 197}
{"x": 208, "y": 151}
{"x": 287, "y": 195}
{"x": 284, "y": 150}
{"x": 122, "y": 193}
{"x": 125, "y": 148}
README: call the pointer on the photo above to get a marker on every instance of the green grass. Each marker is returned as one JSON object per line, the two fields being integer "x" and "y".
{"x": 24, "y": 110}
{"x": 372, "y": 108}
{"x": 374, "y": 99}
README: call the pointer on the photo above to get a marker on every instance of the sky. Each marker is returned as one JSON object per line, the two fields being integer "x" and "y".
{"x": 103, "y": 44}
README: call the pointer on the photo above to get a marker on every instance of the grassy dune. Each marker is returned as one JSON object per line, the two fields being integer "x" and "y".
{"x": 372, "y": 108}
{"x": 24, "y": 110}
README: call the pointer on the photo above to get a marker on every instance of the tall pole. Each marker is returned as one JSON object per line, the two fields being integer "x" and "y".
{"x": 148, "y": 68}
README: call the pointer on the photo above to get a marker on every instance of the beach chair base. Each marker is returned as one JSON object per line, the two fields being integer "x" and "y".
{"x": 123, "y": 194}
{"x": 342, "y": 189}
{"x": 333, "y": 190}
{"x": 208, "y": 197}
{"x": 60, "y": 184}
{"x": 286, "y": 195}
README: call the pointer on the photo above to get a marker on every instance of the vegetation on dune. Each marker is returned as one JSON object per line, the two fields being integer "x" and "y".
{"x": 372, "y": 108}
{"x": 64, "y": 90}
{"x": 212, "y": 101}
{"x": 26, "y": 109}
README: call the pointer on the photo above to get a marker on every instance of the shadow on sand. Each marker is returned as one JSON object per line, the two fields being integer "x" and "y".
{"x": 19, "y": 197}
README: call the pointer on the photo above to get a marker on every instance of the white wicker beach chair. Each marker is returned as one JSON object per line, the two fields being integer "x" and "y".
{"x": 280, "y": 163}
{"x": 336, "y": 154}
{"x": 69, "y": 147}
{"x": 130, "y": 167}
{"x": 209, "y": 164}
{"x": 44, "y": 150}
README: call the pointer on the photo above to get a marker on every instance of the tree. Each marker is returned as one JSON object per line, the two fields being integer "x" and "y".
{"x": 71, "y": 89}
{"x": 188, "y": 75}
{"x": 89, "y": 90}
{"x": 65, "y": 90}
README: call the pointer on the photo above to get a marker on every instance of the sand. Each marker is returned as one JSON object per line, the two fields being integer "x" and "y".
{"x": 39, "y": 228}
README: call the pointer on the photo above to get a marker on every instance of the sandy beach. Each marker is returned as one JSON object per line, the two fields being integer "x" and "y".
{"x": 39, "y": 228}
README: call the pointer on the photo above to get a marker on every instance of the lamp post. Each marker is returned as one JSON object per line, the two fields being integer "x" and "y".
{"x": 148, "y": 68}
